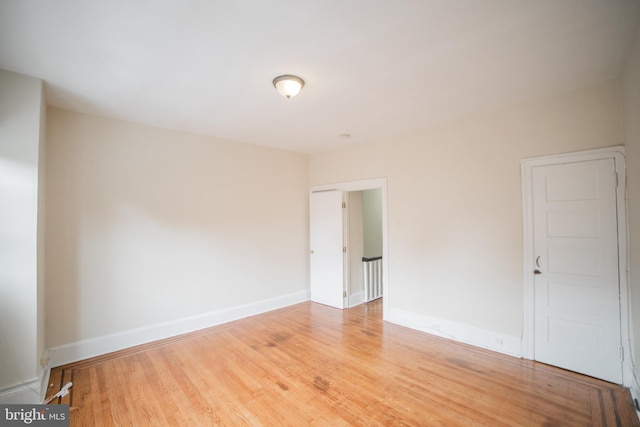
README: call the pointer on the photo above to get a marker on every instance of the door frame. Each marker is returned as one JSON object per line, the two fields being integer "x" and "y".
{"x": 616, "y": 153}
{"x": 361, "y": 185}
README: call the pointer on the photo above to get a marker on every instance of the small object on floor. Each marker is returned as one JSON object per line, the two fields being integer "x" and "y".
{"x": 63, "y": 392}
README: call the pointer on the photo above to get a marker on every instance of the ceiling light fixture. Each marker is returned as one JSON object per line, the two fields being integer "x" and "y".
{"x": 288, "y": 85}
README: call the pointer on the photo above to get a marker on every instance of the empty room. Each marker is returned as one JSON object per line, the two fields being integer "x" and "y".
{"x": 321, "y": 213}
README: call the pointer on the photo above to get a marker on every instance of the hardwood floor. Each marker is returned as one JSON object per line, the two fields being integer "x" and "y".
{"x": 310, "y": 364}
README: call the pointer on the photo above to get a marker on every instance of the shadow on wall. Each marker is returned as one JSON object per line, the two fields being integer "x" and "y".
{"x": 18, "y": 265}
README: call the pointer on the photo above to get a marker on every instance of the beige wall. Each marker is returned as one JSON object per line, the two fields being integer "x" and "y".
{"x": 146, "y": 225}
{"x": 631, "y": 107}
{"x": 372, "y": 222}
{"x": 454, "y": 201}
{"x": 21, "y": 312}
{"x": 41, "y": 343}
{"x": 356, "y": 242}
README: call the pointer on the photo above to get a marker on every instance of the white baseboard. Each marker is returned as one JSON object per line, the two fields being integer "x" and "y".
{"x": 44, "y": 382}
{"x": 85, "y": 349}
{"x": 467, "y": 334}
{"x": 31, "y": 392}
{"x": 355, "y": 299}
{"x": 27, "y": 393}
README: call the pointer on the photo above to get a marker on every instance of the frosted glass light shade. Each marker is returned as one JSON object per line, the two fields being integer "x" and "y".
{"x": 288, "y": 86}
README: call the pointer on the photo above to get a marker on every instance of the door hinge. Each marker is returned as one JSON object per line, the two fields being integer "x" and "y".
{"x": 344, "y": 294}
{"x": 344, "y": 249}
{"x": 344, "y": 205}
{"x": 616, "y": 175}
{"x": 622, "y": 354}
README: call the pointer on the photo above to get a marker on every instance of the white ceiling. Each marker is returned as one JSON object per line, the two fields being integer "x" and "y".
{"x": 373, "y": 68}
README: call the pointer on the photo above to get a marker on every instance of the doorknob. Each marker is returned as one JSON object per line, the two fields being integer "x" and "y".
{"x": 311, "y": 251}
{"x": 536, "y": 271}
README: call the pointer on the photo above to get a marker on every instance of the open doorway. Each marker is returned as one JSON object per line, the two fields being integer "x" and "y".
{"x": 319, "y": 251}
{"x": 364, "y": 246}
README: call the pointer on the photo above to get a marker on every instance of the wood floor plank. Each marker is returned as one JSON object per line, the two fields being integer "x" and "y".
{"x": 310, "y": 364}
{"x": 55, "y": 384}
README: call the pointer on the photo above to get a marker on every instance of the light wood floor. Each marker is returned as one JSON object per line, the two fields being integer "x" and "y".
{"x": 314, "y": 365}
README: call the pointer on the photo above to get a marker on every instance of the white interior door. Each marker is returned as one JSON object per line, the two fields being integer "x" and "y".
{"x": 576, "y": 295}
{"x": 327, "y": 256}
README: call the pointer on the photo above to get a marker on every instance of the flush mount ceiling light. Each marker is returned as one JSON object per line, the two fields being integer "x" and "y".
{"x": 288, "y": 85}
